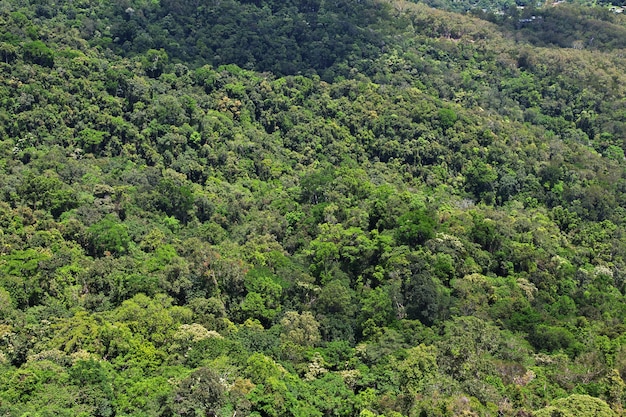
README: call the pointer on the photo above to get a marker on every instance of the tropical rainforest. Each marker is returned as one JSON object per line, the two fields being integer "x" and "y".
{"x": 312, "y": 208}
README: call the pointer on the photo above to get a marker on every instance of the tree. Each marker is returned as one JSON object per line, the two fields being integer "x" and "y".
{"x": 22, "y": 278}
{"x": 376, "y": 312}
{"x": 484, "y": 232}
{"x": 472, "y": 293}
{"x": 90, "y": 139}
{"x": 6, "y": 304}
{"x": 425, "y": 297}
{"x": 153, "y": 318}
{"x": 96, "y": 389}
{"x": 576, "y": 405}
{"x": 336, "y": 306}
{"x": 415, "y": 227}
{"x": 468, "y": 350}
{"x": 447, "y": 118}
{"x": 264, "y": 294}
{"x": 174, "y": 196}
{"x": 154, "y": 62}
{"x": 300, "y": 329}
{"x": 418, "y": 372}
{"x": 200, "y": 394}
{"x": 38, "y": 53}
{"x": 8, "y": 52}
{"x": 47, "y": 192}
{"x": 480, "y": 179}
{"x": 108, "y": 236}
{"x": 270, "y": 394}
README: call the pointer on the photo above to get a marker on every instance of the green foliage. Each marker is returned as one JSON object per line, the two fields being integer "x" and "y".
{"x": 376, "y": 311}
{"x": 21, "y": 276}
{"x": 299, "y": 329}
{"x": 38, "y": 53}
{"x": 95, "y": 386}
{"x": 549, "y": 338}
{"x": 8, "y": 52}
{"x": 428, "y": 219}
{"x": 173, "y": 198}
{"x": 48, "y": 192}
{"x": 418, "y": 372}
{"x": 262, "y": 300}
{"x": 577, "y": 405}
{"x": 415, "y": 227}
{"x": 108, "y": 236}
{"x": 480, "y": 179}
{"x": 200, "y": 394}
{"x": 484, "y": 233}
{"x": 90, "y": 138}
{"x": 154, "y": 62}
{"x": 447, "y": 118}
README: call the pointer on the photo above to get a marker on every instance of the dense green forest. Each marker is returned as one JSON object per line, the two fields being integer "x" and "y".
{"x": 311, "y": 208}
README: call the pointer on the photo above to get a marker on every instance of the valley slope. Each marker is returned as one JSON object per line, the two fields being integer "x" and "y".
{"x": 311, "y": 208}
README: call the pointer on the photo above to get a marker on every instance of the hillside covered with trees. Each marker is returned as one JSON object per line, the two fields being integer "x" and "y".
{"x": 311, "y": 208}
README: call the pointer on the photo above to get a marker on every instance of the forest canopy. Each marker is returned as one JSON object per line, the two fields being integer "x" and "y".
{"x": 311, "y": 208}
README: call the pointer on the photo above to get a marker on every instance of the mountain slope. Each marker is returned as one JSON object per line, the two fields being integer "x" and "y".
{"x": 419, "y": 214}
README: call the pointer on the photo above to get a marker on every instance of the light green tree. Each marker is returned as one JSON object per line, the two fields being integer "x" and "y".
{"x": 577, "y": 405}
